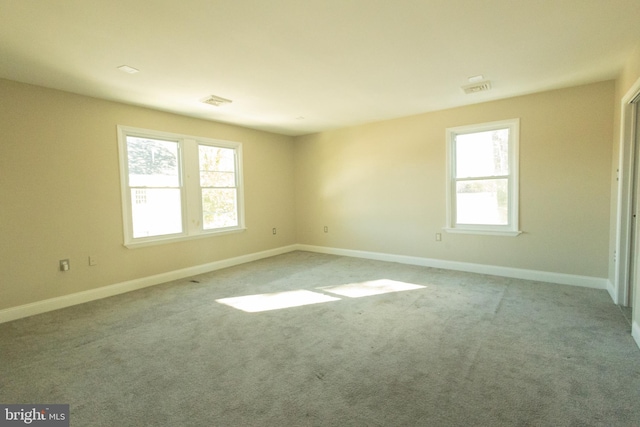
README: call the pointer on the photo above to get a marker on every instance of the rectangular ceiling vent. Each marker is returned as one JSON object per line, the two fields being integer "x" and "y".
{"x": 477, "y": 87}
{"x": 216, "y": 101}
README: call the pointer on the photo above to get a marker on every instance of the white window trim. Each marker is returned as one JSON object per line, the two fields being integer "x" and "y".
{"x": 512, "y": 228}
{"x": 191, "y": 201}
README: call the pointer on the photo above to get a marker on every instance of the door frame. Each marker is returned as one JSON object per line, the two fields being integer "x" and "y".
{"x": 628, "y": 130}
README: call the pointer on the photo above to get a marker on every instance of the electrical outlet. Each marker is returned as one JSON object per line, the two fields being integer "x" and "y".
{"x": 326, "y": 229}
{"x": 274, "y": 230}
{"x": 438, "y": 237}
{"x": 64, "y": 265}
{"x": 92, "y": 261}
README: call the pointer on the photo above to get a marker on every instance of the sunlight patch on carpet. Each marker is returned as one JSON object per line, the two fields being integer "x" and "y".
{"x": 275, "y": 301}
{"x": 373, "y": 287}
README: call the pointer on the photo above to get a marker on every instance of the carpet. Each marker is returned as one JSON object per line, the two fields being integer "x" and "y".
{"x": 445, "y": 348}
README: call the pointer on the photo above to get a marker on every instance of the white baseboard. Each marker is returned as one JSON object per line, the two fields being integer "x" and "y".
{"x": 516, "y": 273}
{"x": 635, "y": 332}
{"x": 44, "y": 306}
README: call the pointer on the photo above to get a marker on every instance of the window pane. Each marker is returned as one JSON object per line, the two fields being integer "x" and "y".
{"x": 482, "y": 154}
{"x": 156, "y": 212}
{"x": 482, "y": 202}
{"x": 219, "y": 208}
{"x": 217, "y": 166}
{"x": 152, "y": 162}
{"x": 217, "y": 179}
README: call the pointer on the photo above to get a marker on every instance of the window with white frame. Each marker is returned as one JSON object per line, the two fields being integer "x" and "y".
{"x": 177, "y": 186}
{"x": 482, "y": 178}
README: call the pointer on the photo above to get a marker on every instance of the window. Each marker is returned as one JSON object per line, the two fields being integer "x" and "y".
{"x": 482, "y": 178}
{"x": 218, "y": 187}
{"x": 177, "y": 186}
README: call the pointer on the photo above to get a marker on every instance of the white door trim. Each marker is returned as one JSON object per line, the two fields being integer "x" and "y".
{"x": 625, "y": 196}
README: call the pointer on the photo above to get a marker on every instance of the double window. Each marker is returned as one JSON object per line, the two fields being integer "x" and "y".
{"x": 482, "y": 184}
{"x": 177, "y": 186}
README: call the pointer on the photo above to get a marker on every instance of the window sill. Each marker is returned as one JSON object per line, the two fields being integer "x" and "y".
{"x": 507, "y": 233}
{"x": 182, "y": 238}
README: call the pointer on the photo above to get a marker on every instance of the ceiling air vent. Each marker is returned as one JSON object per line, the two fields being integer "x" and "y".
{"x": 477, "y": 87}
{"x": 216, "y": 101}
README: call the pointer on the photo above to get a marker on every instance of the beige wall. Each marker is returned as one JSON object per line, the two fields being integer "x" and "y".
{"x": 60, "y": 194}
{"x": 381, "y": 187}
{"x": 378, "y": 187}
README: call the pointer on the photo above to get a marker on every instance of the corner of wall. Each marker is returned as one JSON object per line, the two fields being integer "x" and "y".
{"x": 613, "y": 292}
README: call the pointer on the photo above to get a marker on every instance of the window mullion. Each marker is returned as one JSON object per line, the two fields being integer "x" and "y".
{"x": 191, "y": 176}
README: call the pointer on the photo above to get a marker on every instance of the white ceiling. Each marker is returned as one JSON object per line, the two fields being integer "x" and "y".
{"x": 333, "y": 62}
